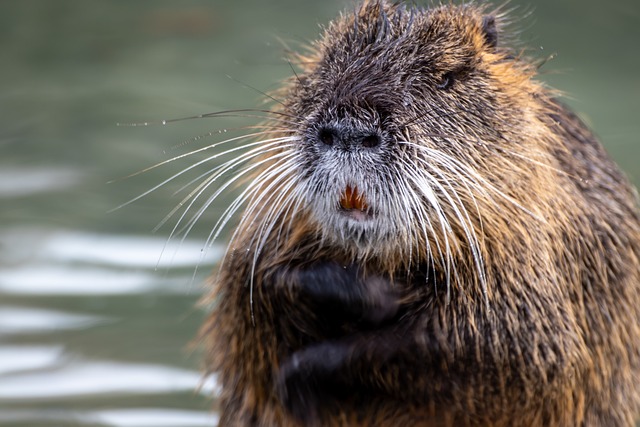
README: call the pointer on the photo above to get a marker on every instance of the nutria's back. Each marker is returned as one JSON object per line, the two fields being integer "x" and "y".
{"x": 430, "y": 239}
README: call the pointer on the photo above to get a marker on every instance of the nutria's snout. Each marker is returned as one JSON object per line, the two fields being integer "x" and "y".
{"x": 345, "y": 162}
{"x": 347, "y": 139}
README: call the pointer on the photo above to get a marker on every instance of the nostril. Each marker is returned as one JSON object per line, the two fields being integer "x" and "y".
{"x": 371, "y": 141}
{"x": 327, "y": 137}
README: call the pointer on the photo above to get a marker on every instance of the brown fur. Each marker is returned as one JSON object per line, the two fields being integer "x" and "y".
{"x": 546, "y": 333}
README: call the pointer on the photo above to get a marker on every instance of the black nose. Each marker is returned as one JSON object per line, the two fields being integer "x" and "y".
{"x": 331, "y": 137}
{"x": 327, "y": 136}
{"x": 370, "y": 141}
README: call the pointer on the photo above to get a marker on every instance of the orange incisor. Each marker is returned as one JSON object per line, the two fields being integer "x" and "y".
{"x": 352, "y": 199}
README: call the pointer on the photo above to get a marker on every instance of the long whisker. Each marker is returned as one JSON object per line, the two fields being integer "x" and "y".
{"x": 262, "y": 147}
{"x": 221, "y": 170}
{"x": 481, "y": 182}
{"x": 247, "y": 194}
{"x": 216, "y": 173}
{"x": 215, "y": 114}
{"x": 264, "y": 128}
{"x": 251, "y": 189}
{"x": 199, "y": 150}
{"x": 422, "y": 184}
{"x": 226, "y": 184}
{"x": 457, "y": 174}
{"x": 182, "y": 172}
{"x": 539, "y": 163}
{"x": 454, "y": 201}
{"x": 415, "y": 208}
{"x": 273, "y": 173}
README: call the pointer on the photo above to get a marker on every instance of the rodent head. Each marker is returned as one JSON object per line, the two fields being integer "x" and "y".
{"x": 412, "y": 127}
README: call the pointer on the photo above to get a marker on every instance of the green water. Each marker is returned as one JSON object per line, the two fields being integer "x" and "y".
{"x": 96, "y": 316}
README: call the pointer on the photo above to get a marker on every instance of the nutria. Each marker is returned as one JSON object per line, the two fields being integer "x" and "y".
{"x": 430, "y": 238}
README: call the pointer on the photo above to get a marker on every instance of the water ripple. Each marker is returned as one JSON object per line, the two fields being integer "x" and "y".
{"x": 18, "y": 182}
{"x": 110, "y": 250}
{"x": 22, "y": 320}
{"x": 95, "y": 378}
{"x": 127, "y": 417}
{"x": 14, "y": 358}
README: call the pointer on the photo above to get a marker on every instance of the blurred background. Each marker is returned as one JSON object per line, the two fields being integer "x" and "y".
{"x": 97, "y": 308}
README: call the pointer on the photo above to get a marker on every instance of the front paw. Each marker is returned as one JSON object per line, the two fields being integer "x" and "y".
{"x": 345, "y": 292}
{"x": 309, "y": 380}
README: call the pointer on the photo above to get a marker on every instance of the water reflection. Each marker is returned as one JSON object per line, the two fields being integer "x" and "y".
{"x": 16, "y": 359}
{"x": 56, "y": 246}
{"x": 49, "y": 280}
{"x": 141, "y": 417}
{"x": 153, "y": 417}
{"x": 23, "y": 320}
{"x": 73, "y": 378}
{"x": 87, "y": 280}
{"x": 21, "y": 182}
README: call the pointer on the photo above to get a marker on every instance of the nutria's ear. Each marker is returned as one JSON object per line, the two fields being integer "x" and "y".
{"x": 490, "y": 30}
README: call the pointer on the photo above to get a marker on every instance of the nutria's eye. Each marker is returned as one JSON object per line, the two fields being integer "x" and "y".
{"x": 446, "y": 81}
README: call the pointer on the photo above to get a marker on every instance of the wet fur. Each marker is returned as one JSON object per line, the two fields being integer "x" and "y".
{"x": 498, "y": 283}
